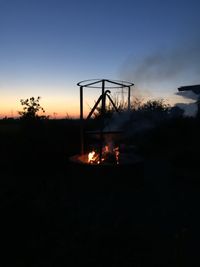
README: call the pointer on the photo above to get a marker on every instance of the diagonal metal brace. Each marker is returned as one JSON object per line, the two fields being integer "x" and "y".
{"x": 106, "y": 93}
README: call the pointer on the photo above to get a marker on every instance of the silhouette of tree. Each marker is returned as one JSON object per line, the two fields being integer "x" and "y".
{"x": 31, "y": 108}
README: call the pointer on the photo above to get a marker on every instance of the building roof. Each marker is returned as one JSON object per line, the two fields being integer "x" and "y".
{"x": 193, "y": 88}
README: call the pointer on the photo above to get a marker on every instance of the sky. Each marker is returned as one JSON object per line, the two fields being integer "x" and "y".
{"x": 48, "y": 46}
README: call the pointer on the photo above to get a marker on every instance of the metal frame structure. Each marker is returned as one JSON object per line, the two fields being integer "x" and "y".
{"x": 105, "y": 85}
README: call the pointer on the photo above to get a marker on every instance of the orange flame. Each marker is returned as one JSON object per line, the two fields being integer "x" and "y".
{"x": 116, "y": 150}
{"x": 107, "y": 151}
{"x": 93, "y": 157}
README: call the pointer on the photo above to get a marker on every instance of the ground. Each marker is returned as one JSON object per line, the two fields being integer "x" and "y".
{"x": 58, "y": 213}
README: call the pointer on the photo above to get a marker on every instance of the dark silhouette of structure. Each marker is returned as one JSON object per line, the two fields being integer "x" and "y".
{"x": 195, "y": 89}
{"x": 105, "y": 86}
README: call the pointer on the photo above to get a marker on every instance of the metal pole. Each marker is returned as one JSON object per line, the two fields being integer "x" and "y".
{"x": 81, "y": 120}
{"x": 95, "y": 106}
{"x": 129, "y": 98}
{"x": 103, "y": 107}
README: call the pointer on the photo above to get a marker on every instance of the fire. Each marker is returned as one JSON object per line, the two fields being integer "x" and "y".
{"x": 93, "y": 157}
{"x": 116, "y": 150}
{"x": 110, "y": 154}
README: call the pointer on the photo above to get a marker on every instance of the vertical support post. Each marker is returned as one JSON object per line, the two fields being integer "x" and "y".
{"x": 103, "y": 109}
{"x": 129, "y": 98}
{"x": 81, "y": 120}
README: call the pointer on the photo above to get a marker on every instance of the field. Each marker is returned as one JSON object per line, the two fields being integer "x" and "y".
{"x": 58, "y": 213}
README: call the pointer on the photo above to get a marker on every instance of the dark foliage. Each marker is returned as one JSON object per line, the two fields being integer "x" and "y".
{"x": 154, "y": 105}
{"x": 31, "y": 107}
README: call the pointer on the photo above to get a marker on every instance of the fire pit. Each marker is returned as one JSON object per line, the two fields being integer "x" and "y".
{"x": 105, "y": 161}
{"x": 105, "y": 146}
{"x": 106, "y": 149}
{"x": 108, "y": 159}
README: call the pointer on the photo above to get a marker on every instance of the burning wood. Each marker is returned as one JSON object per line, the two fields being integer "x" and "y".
{"x": 110, "y": 154}
{"x": 93, "y": 157}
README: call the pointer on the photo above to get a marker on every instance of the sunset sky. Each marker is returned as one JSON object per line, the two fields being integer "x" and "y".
{"x": 48, "y": 46}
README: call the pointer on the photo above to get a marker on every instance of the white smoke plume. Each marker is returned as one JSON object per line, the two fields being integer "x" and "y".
{"x": 164, "y": 66}
{"x": 173, "y": 67}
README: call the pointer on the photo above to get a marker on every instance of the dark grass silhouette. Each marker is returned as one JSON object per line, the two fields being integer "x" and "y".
{"x": 58, "y": 213}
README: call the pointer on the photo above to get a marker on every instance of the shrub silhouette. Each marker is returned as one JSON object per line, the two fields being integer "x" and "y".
{"x": 31, "y": 108}
{"x": 155, "y": 105}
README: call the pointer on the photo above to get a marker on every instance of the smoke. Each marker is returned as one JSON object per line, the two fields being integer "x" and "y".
{"x": 117, "y": 121}
{"x": 132, "y": 122}
{"x": 165, "y": 66}
{"x": 188, "y": 95}
{"x": 190, "y": 109}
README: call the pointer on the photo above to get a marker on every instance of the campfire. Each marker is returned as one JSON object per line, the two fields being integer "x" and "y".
{"x": 108, "y": 148}
{"x": 108, "y": 155}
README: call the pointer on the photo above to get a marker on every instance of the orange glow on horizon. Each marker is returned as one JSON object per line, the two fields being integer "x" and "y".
{"x": 57, "y": 107}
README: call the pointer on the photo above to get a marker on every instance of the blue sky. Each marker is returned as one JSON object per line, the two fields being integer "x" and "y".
{"x": 47, "y": 46}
